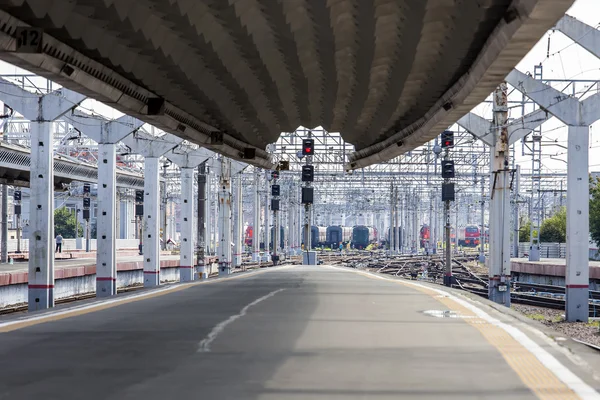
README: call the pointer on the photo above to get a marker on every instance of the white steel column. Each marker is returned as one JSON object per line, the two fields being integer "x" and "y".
{"x": 224, "y": 206}
{"x": 256, "y": 218}
{"x": 267, "y": 228}
{"x": 238, "y": 235}
{"x": 151, "y": 222}
{"x": 577, "y": 115}
{"x": 41, "y": 111}
{"x": 499, "y": 262}
{"x": 207, "y": 215}
{"x": 106, "y": 254}
{"x": 41, "y": 218}
{"x": 186, "y": 257}
{"x": 578, "y": 271}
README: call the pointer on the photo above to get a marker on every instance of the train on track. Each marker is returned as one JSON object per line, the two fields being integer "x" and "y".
{"x": 249, "y": 232}
{"x": 363, "y": 236}
{"x": 359, "y": 237}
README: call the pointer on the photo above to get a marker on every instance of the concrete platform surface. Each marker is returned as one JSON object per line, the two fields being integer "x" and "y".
{"x": 550, "y": 267}
{"x": 78, "y": 262}
{"x": 281, "y": 333}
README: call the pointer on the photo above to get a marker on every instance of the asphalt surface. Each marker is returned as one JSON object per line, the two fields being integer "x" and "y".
{"x": 295, "y": 333}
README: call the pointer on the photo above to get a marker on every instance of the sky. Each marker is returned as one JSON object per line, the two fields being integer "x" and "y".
{"x": 560, "y": 58}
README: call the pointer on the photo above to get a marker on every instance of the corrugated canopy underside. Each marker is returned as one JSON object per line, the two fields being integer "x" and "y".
{"x": 255, "y": 68}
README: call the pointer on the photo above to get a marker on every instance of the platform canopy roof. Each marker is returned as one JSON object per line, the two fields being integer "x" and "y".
{"x": 388, "y": 74}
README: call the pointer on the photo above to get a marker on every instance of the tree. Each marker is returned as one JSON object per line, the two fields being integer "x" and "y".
{"x": 554, "y": 229}
{"x": 524, "y": 232}
{"x": 64, "y": 223}
{"x": 595, "y": 209}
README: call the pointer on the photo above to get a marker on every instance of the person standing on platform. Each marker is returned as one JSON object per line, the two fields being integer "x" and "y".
{"x": 59, "y": 240}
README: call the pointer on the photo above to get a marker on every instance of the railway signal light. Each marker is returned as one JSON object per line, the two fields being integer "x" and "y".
{"x": 308, "y": 173}
{"x": 87, "y": 202}
{"x": 307, "y": 195}
{"x": 275, "y": 190}
{"x": 448, "y": 191}
{"x": 447, "y": 169}
{"x": 447, "y": 139}
{"x": 86, "y": 188}
{"x": 17, "y": 195}
{"x": 139, "y": 196}
{"x": 308, "y": 147}
{"x": 274, "y": 204}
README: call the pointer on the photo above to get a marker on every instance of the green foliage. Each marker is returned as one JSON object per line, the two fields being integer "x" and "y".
{"x": 595, "y": 210}
{"x": 554, "y": 229}
{"x": 524, "y": 232}
{"x": 64, "y": 223}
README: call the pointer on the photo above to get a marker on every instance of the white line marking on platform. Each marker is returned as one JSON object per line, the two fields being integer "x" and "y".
{"x": 204, "y": 345}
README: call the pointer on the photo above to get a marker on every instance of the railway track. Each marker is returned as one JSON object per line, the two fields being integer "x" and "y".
{"x": 431, "y": 269}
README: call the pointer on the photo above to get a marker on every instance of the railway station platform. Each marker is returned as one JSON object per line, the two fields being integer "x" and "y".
{"x": 550, "y": 271}
{"x": 293, "y": 332}
{"x": 77, "y": 276}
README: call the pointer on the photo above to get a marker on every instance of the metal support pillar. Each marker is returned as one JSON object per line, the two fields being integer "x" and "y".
{"x": 396, "y": 230}
{"x": 4, "y": 256}
{"x": 256, "y": 218}
{"x": 41, "y": 218}
{"x": 224, "y": 206}
{"x": 482, "y": 233}
{"x": 186, "y": 257}
{"x": 107, "y": 134}
{"x": 515, "y": 242}
{"x": 106, "y": 255}
{"x": 267, "y": 223}
{"x": 276, "y": 233}
{"x": 238, "y": 224}
{"x": 578, "y": 271}
{"x": 499, "y": 262}
{"x": 201, "y": 241}
{"x": 41, "y": 111}
{"x": 208, "y": 216}
{"x": 151, "y": 222}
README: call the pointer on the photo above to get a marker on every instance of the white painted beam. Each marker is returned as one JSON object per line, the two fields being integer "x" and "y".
{"x": 581, "y": 33}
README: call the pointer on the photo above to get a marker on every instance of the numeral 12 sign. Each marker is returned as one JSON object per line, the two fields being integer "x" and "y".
{"x": 29, "y": 40}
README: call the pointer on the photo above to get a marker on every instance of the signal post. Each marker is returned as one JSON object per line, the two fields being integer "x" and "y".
{"x": 447, "y": 197}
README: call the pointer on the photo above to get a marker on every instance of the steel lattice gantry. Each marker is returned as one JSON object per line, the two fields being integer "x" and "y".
{"x": 389, "y": 75}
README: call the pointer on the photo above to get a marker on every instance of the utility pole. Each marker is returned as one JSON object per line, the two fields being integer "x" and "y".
{"x": 309, "y": 256}
{"x": 499, "y": 263}
{"x": 448, "y": 261}
{"x": 275, "y": 192}
{"x": 447, "y": 197}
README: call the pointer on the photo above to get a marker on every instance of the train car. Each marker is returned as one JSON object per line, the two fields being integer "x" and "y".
{"x": 336, "y": 235}
{"x": 248, "y": 236}
{"x": 424, "y": 236}
{"x": 387, "y": 240}
{"x": 317, "y": 236}
{"x": 469, "y": 236}
{"x": 362, "y": 236}
{"x": 281, "y": 237}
